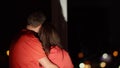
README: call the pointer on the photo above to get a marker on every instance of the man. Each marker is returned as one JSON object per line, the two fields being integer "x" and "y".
{"x": 26, "y": 50}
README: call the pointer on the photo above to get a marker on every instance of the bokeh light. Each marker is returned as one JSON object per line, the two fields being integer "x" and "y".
{"x": 80, "y": 55}
{"x": 81, "y": 65}
{"x": 106, "y": 57}
{"x": 7, "y": 52}
{"x": 115, "y": 53}
{"x": 103, "y": 64}
{"x": 119, "y": 66}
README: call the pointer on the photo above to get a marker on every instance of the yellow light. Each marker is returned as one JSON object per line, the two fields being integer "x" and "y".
{"x": 102, "y": 64}
{"x": 115, "y": 53}
{"x": 7, "y": 52}
{"x": 87, "y": 66}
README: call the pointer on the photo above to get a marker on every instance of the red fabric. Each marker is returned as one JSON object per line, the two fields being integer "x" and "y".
{"x": 60, "y": 57}
{"x": 26, "y": 52}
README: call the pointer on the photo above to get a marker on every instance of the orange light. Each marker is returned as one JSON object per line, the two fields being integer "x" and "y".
{"x": 115, "y": 53}
{"x": 80, "y": 55}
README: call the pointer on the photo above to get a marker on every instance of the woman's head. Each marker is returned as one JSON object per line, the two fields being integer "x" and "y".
{"x": 49, "y": 37}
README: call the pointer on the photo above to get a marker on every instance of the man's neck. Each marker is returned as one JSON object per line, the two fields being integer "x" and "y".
{"x": 35, "y": 29}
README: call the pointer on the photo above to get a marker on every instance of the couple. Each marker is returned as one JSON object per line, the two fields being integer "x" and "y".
{"x": 38, "y": 46}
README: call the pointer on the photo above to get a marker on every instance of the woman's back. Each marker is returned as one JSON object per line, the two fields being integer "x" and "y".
{"x": 60, "y": 57}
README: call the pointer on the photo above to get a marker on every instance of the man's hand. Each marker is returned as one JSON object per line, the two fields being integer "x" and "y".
{"x": 45, "y": 62}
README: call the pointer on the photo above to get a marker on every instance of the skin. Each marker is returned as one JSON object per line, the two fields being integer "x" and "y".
{"x": 46, "y": 63}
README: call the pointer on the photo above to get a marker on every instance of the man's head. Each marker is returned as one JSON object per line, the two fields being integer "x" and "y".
{"x": 36, "y": 19}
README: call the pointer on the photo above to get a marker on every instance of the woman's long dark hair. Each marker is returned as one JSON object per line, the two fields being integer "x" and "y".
{"x": 49, "y": 37}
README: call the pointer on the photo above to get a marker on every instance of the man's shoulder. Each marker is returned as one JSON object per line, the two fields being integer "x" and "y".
{"x": 27, "y": 33}
{"x": 27, "y": 36}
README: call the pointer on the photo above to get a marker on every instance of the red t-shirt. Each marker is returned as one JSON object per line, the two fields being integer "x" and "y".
{"x": 60, "y": 57}
{"x": 26, "y": 52}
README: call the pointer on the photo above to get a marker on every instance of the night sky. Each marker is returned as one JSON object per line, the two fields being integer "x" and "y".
{"x": 93, "y": 27}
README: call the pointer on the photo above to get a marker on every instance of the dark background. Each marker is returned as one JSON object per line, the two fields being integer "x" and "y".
{"x": 93, "y": 27}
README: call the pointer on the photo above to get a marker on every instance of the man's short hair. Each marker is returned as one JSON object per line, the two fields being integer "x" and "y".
{"x": 36, "y": 18}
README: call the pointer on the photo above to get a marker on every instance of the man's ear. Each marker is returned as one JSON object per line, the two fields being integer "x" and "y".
{"x": 39, "y": 26}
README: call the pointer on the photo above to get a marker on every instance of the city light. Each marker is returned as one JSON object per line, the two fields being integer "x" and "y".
{"x": 84, "y": 65}
{"x": 106, "y": 57}
{"x": 115, "y": 53}
{"x": 7, "y": 52}
{"x": 81, "y": 65}
{"x": 119, "y": 66}
{"x": 80, "y": 55}
{"x": 102, "y": 64}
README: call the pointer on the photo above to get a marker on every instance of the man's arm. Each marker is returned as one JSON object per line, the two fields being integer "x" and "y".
{"x": 35, "y": 48}
{"x": 45, "y": 62}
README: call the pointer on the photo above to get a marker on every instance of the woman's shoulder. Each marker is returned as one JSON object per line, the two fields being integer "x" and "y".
{"x": 55, "y": 49}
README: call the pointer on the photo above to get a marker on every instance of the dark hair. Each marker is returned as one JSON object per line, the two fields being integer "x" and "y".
{"x": 49, "y": 37}
{"x": 36, "y": 18}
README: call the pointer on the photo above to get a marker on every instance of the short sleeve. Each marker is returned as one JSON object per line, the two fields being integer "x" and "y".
{"x": 26, "y": 52}
{"x": 34, "y": 48}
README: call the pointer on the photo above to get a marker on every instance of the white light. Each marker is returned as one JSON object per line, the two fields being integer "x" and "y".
{"x": 119, "y": 66}
{"x": 105, "y": 56}
{"x": 81, "y": 65}
{"x": 64, "y": 8}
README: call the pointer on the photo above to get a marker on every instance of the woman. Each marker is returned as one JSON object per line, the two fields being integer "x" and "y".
{"x": 53, "y": 49}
